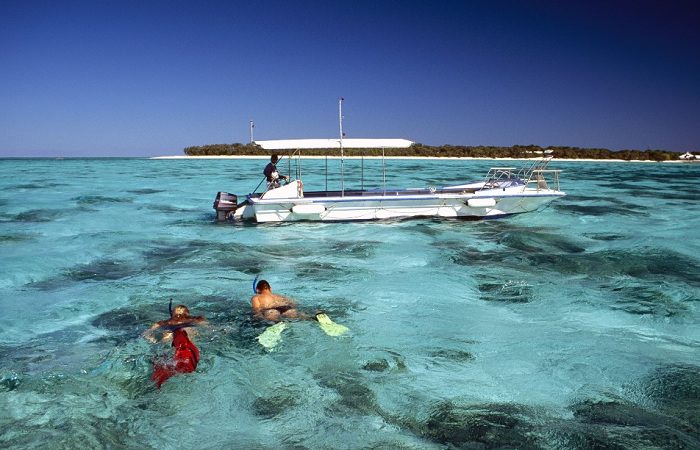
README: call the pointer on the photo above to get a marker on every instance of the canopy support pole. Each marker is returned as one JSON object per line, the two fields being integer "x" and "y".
{"x": 383, "y": 172}
{"x": 342, "y": 161}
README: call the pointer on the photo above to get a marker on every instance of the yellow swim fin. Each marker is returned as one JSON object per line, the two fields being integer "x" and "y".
{"x": 329, "y": 327}
{"x": 272, "y": 336}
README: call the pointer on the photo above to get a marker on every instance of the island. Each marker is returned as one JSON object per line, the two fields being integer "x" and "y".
{"x": 452, "y": 151}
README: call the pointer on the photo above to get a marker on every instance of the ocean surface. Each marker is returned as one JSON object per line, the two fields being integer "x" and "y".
{"x": 577, "y": 326}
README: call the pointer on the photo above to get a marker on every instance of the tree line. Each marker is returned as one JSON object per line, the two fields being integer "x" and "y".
{"x": 481, "y": 151}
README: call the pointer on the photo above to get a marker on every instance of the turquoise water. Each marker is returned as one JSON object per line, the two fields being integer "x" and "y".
{"x": 573, "y": 327}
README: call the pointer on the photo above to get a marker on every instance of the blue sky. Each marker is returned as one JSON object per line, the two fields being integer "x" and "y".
{"x": 140, "y": 78}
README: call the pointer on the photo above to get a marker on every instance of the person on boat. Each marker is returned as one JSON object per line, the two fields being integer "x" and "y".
{"x": 271, "y": 173}
{"x": 272, "y": 307}
{"x": 186, "y": 355}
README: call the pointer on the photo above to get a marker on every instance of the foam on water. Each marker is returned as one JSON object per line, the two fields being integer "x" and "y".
{"x": 573, "y": 327}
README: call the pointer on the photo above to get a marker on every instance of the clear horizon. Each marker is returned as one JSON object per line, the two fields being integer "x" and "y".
{"x": 128, "y": 79}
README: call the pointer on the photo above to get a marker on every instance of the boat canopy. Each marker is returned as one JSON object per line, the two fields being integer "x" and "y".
{"x": 301, "y": 144}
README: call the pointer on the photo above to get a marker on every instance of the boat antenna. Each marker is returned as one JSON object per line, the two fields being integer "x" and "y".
{"x": 342, "y": 163}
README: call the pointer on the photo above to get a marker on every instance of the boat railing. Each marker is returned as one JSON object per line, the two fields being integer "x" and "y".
{"x": 539, "y": 164}
{"x": 536, "y": 173}
{"x": 496, "y": 176}
{"x": 542, "y": 179}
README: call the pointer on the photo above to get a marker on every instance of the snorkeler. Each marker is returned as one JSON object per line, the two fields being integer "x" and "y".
{"x": 186, "y": 355}
{"x": 180, "y": 318}
{"x": 274, "y": 308}
{"x": 184, "y": 360}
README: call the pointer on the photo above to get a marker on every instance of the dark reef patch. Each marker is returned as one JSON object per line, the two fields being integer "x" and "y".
{"x": 100, "y": 200}
{"x": 638, "y": 298}
{"x": 377, "y": 365}
{"x": 676, "y": 391}
{"x": 643, "y": 263}
{"x": 383, "y": 361}
{"x": 355, "y": 397}
{"x": 9, "y": 381}
{"x": 168, "y": 208}
{"x": 622, "y": 424}
{"x": 15, "y": 237}
{"x": 599, "y": 210}
{"x": 320, "y": 271}
{"x": 269, "y": 407}
{"x": 69, "y": 431}
{"x": 102, "y": 270}
{"x": 427, "y": 228}
{"x": 454, "y": 355}
{"x": 124, "y": 325}
{"x": 605, "y": 236}
{"x": 666, "y": 194}
{"x": 477, "y": 426}
{"x": 495, "y": 290}
{"x": 98, "y": 270}
{"x": 534, "y": 242}
{"x": 353, "y": 249}
{"x": 145, "y": 191}
{"x": 165, "y": 252}
{"x": 38, "y": 215}
{"x": 39, "y": 185}
{"x": 125, "y": 319}
{"x": 276, "y": 251}
{"x": 469, "y": 256}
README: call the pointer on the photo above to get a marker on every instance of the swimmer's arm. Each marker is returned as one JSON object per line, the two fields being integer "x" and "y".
{"x": 257, "y": 307}
{"x": 149, "y": 334}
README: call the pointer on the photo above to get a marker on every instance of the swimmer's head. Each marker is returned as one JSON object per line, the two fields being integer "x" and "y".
{"x": 180, "y": 311}
{"x": 262, "y": 286}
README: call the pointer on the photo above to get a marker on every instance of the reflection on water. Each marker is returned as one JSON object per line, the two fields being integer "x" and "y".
{"x": 575, "y": 327}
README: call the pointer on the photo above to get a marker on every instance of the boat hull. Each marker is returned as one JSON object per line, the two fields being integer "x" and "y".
{"x": 362, "y": 208}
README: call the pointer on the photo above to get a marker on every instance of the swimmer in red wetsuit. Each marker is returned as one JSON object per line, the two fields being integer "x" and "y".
{"x": 184, "y": 360}
{"x": 186, "y": 354}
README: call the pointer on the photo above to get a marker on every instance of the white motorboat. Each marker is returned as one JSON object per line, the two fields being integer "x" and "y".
{"x": 503, "y": 191}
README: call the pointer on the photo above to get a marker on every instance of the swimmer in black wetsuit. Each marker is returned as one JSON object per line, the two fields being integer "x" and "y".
{"x": 272, "y": 307}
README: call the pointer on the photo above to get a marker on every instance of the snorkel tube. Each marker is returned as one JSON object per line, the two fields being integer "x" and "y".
{"x": 170, "y": 308}
{"x": 255, "y": 283}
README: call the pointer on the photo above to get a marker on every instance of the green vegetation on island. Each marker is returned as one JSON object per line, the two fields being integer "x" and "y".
{"x": 516, "y": 151}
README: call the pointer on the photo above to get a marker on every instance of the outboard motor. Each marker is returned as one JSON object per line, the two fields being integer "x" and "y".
{"x": 224, "y": 204}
